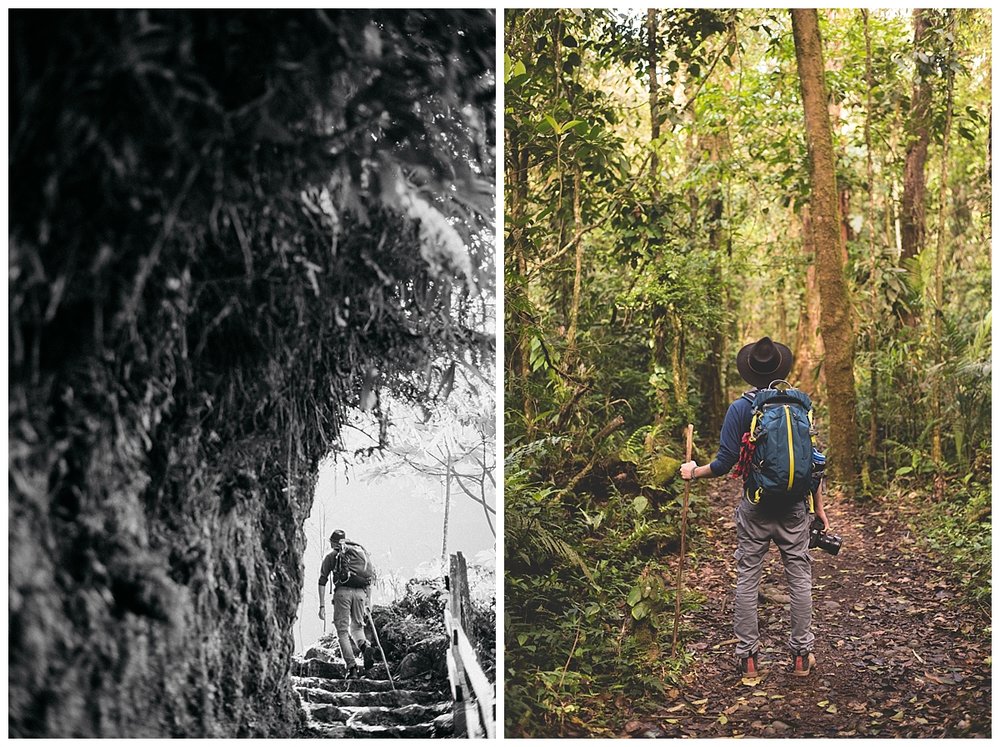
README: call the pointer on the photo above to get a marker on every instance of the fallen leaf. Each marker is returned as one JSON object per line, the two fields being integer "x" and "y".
{"x": 832, "y": 709}
{"x": 723, "y": 719}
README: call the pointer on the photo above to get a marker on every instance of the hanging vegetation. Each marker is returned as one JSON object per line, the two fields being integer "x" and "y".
{"x": 227, "y": 229}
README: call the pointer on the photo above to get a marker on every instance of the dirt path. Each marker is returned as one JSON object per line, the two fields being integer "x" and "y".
{"x": 898, "y": 654}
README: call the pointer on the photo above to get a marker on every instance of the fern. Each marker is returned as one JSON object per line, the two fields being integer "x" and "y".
{"x": 534, "y": 540}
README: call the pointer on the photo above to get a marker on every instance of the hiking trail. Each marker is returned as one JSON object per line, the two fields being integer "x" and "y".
{"x": 899, "y": 654}
{"x": 368, "y": 707}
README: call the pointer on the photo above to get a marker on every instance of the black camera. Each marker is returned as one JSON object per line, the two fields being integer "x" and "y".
{"x": 824, "y": 541}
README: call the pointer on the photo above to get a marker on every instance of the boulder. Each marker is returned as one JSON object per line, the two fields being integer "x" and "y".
{"x": 427, "y": 655}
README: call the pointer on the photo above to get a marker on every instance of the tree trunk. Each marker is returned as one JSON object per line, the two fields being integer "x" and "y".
{"x": 912, "y": 210}
{"x": 709, "y": 371}
{"x": 874, "y": 307}
{"x": 519, "y": 367}
{"x": 808, "y": 370}
{"x": 654, "y": 96}
{"x": 574, "y": 310}
{"x": 937, "y": 382}
{"x": 835, "y": 319}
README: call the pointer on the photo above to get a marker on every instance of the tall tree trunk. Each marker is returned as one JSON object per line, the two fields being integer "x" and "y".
{"x": 808, "y": 370}
{"x": 709, "y": 371}
{"x": 654, "y": 96}
{"x": 835, "y": 320}
{"x": 937, "y": 383}
{"x": 918, "y": 130}
{"x": 574, "y": 310}
{"x": 873, "y": 285}
{"x": 519, "y": 339}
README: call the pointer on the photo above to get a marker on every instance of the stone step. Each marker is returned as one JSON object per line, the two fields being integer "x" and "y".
{"x": 365, "y": 684}
{"x": 367, "y": 698}
{"x": 368, "y": 684}
{"x": 408, "y": 715}
{"x": 331, "y": 669}
{"x": 440, "y": 727}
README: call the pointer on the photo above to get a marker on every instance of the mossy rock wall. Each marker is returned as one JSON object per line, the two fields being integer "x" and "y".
{"x": 188, "y": 333}
{"x": 125, "y": 624}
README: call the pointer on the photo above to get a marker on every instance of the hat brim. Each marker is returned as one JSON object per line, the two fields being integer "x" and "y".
{"x": 763, "y": 380}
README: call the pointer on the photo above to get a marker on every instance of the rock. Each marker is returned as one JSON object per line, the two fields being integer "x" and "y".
{"x": 660, "y": 470}
{"x": 829, "y": 604}
{"x": 317, "y": 668}
{"x": 634, "y": 726}
{"x": 427, "y": 655}
{"x": 404, "y": 716}
{"x": 323, "y": 654}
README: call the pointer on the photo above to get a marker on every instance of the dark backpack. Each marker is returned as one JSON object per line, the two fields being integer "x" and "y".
{"x": 353, "y": 567}
{"x": 781, "y": 447}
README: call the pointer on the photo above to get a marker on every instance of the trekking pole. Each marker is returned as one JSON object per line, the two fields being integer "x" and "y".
{"x": 381, "y": 650}
{"x": 688, "y": 432}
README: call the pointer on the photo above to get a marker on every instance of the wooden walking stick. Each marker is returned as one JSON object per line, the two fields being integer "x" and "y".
{"x": 688, "y": 433}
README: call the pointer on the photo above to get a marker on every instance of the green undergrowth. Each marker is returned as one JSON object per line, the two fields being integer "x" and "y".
{"x": 957, "y": 529}
{"x": 589, "y": 596}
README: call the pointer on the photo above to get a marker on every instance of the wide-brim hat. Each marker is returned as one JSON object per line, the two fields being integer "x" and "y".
{"x": 764, "y": 361}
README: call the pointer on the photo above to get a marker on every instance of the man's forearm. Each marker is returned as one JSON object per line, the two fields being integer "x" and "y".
{"x": 322, "y": 594}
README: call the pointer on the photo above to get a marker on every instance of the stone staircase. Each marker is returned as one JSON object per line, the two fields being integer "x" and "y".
{"x": 368, "y": 707}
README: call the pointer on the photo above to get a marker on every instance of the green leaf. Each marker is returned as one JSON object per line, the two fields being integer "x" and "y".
{"x": 640, "y": 611}
{"x": 634, "y": 595}
{"x": 640, "y": 504}
{"x": 904, "y": 471}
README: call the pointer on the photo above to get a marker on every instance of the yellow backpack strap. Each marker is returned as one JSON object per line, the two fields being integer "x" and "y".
{"x": 753, "y": 426}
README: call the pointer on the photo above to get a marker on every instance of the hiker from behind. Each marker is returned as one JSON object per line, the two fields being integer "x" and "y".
{"x": 768, "y": 436}
{"x": 352, "y": 571}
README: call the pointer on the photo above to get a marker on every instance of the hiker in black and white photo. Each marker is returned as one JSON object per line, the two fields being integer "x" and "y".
{"x": 351, "y": 568}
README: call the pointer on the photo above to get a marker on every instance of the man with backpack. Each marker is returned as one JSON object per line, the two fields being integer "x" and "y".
{"x": 767, "y": 436}
{"x": 353, "y": 573}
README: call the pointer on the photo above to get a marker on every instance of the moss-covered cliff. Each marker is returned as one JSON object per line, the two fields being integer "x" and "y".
{"x": 226, "y": 229}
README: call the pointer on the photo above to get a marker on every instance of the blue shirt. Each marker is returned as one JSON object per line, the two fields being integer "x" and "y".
{"x": 737, "y": 422}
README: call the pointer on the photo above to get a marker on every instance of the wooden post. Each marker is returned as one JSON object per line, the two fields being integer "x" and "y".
{"x": 680, "y": 566}
{"x": 461, "y": 602}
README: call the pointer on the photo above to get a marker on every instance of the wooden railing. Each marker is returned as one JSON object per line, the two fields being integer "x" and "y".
{"x": 473, "y": 695}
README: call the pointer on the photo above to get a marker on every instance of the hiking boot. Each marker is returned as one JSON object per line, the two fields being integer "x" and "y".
{"x": 367, "y": 655}
{"x": 355, "y": 673}
{"x": 803, "y": 663}
{"x": 749, "y": 666}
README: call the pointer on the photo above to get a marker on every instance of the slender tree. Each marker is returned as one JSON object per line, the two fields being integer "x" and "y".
{"x": 919, "y": 137}
{"x": 835, "y": 315}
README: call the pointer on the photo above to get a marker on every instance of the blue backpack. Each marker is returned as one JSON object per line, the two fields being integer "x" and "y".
{"x": 781, "y": 443}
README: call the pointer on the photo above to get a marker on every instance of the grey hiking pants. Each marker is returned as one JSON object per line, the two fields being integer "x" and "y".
{"x": 755, "y": 530}
{"x": 349, "y": 607}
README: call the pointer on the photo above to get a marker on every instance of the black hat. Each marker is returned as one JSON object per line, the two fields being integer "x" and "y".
{"x": 764, "y": 361}
{"x": 338, "y": 535}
